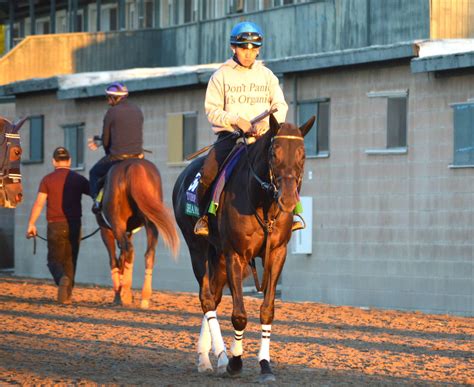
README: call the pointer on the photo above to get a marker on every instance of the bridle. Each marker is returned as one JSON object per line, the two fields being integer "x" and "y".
{"x": 274, "y": 181}
{"x": 6, "y": 175}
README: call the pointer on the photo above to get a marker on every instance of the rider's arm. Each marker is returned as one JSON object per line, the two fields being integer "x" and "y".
{"x": 106, "y": 131}
{"x": 214, "y": 104}
{"x": 277, "y": 99}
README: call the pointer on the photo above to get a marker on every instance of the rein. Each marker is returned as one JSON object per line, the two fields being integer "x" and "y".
{"x": 266, "y": 224}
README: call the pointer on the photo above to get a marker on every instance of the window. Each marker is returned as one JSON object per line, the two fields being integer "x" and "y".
{"x": 34, "y": 137}
{"x": 463, "y": 134}
{"x": 74, "y": 143}
{"x": 396, "y": 123}
{"x": 317, "y": 140}
{"x": 182, "y": 135}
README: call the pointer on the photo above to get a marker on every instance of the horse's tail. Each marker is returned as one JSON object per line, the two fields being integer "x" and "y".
{"x": 145, "y": 189}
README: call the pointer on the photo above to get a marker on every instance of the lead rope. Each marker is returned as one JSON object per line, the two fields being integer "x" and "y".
{"x": 40, "y": 237}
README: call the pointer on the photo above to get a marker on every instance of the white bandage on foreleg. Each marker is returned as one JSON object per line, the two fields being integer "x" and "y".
{"x": 204, "y": 342}
{"x": 236, "y": 347}
{"x": 264, "y": 352}
{"x": 215, "y": 329}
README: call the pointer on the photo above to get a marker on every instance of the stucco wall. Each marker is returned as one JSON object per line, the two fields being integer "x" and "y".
{"x": 391, "y": 231}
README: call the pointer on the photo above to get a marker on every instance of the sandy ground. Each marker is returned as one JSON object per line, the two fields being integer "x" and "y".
{"x": 93, "y": 342}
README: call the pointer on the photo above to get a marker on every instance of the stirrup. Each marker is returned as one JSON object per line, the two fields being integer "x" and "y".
{"x": 298, "y": 224}
{"x": 201, "y": 227}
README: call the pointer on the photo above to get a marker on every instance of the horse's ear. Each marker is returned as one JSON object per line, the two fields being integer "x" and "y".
{"x": 17, "y": 126}
{"x": 274, "y": 125}
{"x": 5, "y": 125}
{"x": 305, "y": 128}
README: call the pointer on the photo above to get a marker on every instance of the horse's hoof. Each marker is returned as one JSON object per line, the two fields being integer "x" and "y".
{"x": 204, "y": 364}
{"x": 234, "y": 368}
{"x": 266, "y": 378}
{"x": 117, "y": 299}
{"x": 222, "y": 362}
{"x": 145, "y": 304}
{"x": 266, "y": 374}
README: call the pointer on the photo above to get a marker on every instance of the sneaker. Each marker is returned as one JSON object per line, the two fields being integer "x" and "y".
{"x": 201, "y": 227}
{"x": 64, "y": 290}
{"x": 96, "y": 208}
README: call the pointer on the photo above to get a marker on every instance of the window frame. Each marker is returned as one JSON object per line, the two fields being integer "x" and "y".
{"x": 40, "y": 159}
{"x": 77, "y": 153}
{"x": 320, "y": 153}
{"x": 391, "y": 150}
{"x": 455, "y": 164}
{"x": 176, "y": 122}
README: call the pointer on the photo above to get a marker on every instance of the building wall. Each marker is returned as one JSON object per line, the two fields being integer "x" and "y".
{"x": 93, "y": 262}
{"x": 320, "y": 26}
{"x": 389, "y": 231}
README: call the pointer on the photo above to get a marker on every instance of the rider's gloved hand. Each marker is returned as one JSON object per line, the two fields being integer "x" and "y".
{"x": 244, "y": 125}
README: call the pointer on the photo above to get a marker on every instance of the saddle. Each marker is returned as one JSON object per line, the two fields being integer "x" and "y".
{"x": 192, "y": 206}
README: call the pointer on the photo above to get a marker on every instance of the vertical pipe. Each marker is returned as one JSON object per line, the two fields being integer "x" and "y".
{"x": 141, "y": 15}
{"x": 74, "y": 16}
{"x": 99, "y": 12}
{"x": 11, "y": 11}
{"x": 52, "y": 17}
{"x": 68, "y": 18}
{"x": 121, "y": 14}
{"x": 32, "y": 18}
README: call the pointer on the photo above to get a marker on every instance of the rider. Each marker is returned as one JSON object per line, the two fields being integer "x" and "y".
{"x": 122, "y": 137}
{"x": 238, "y": 91}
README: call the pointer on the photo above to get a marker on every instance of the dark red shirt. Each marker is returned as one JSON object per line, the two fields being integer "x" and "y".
{"x": 64, "y": 189}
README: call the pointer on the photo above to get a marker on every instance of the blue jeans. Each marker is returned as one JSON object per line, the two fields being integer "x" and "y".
{"x": 97, "y": 172}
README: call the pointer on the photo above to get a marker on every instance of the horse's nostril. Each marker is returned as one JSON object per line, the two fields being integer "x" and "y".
{"x": 19, "y": 197}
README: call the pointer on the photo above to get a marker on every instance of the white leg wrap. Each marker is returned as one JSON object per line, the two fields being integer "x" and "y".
{"x": 204, "y": 342}
{"x": 236, "y": 347}
{"x": 264, "y": 352}
{"x": 215, "y": 329}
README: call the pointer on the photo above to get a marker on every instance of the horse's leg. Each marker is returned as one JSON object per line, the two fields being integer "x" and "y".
{"x": 235, "y": 270}
{"x": 127, "y": 256}
{"x": 267, "y": 311}
{"x": 152, "y": 239}
{"x": 211, "y": 336}
{"x": 109, "y": 241}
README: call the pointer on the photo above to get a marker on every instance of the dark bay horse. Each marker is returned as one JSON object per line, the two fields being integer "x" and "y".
{"x": 253, "y": 220}
{"x": 133, "y": 198}
{"x": 11, "y": 191}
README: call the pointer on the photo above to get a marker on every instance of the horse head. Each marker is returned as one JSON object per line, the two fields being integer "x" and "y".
{"x": 11, "y": 191}
{"x": 286, "y": 161}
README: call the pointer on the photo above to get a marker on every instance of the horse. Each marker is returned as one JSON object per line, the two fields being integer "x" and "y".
{"x": 11, "y": 190}
{"x": 133, "y": 198}
{"x": 254, "y": 219}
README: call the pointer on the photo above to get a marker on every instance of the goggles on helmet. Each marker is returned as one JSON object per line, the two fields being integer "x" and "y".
{"x": 247, "y": 38}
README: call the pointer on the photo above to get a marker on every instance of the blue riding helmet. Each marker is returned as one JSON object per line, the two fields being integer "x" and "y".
{"x": 117, "y": 89}
{"x": 246, "y": 33}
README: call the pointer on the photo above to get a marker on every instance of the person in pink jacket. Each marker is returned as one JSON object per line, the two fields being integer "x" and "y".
{"x": 241, "y": 89}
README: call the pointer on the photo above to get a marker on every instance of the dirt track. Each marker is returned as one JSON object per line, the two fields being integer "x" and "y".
{"x": 91, "y": 342}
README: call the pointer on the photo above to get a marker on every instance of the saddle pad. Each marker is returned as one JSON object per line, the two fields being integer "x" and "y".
{"x": 223, "y": 177}
{"x": 192, "y": 208}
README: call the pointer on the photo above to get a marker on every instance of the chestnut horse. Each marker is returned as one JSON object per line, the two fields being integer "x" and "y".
{"x": 133, "y": 197}
{"x": 253, "y": 220}
{"x": 11, "y": 191}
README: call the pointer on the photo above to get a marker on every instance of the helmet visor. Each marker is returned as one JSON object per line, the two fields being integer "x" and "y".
{"x": 247, "y": 37}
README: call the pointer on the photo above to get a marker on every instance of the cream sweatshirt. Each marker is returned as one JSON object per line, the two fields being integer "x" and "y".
{"x": 235, "y": 91}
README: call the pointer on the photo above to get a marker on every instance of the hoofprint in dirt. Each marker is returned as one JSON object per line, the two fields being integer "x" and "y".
{"x": 91, "y": 341}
